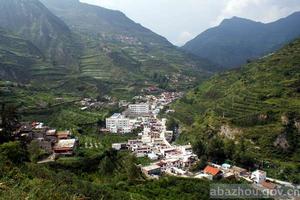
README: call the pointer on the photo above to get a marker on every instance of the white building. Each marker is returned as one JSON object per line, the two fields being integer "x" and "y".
{"x": 259, "y": 176}
{"x": 117, "y": 123}
{"x": 139, "y": 109}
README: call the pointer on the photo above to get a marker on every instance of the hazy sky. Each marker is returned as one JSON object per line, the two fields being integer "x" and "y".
{"x": 181, "y": 20}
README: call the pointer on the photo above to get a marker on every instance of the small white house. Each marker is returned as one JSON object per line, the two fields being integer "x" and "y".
{"x": 204, "y": 176}
{"x": 259, "y": 176}
{"x": 152, "y": 156}
{"x": 118, "y": 146}
{"x": 226, "y": 166}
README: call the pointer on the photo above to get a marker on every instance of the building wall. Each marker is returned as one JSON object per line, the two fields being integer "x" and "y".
{"x": 113, "y": 124}
{"x": 139, "y": 108}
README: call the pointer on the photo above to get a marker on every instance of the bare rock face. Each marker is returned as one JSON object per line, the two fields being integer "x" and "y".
{"x": 281, "y": 142}
{"x": 229, "y": 132}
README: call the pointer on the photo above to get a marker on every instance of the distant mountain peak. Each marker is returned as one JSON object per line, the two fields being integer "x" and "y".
{"x": 237, "y": 20}
{"x": 237, "y": 39}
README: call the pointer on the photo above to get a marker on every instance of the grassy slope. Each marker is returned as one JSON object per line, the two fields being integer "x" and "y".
{"x": 268, "y": 87}
{"x": 119, "y": 52}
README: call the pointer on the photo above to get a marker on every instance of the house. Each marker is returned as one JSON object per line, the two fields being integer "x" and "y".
{"x": 167, "y": 151}
{"x": 119, "y": 146}
{"x": 118, "y": 123}
{"x": 63, "y": 134}
{"x": 143, "y": 149}
{"x": 204, "y": 176}
{"x": 226, "y": 166}
{"x": 173, "y": 162}
{"x": 152, "y": 156}
{"x": 215, "y": 172}
{"x": 268, "y": 185}
{"x": 228, "y": 175}
{"x": 186, "y": 149}
{"x": 259, "y": 176}
{"x": 65, "y": 147}
{"x": 187, "y": 161}
{"x": 152, "y": 170}
{"x": 178, "y": 171}
{"x": 37, "y": 125}
{"x": 238, "y": 171}
{"x": 51, "y": 132}
{"x": 138, "y": 109}
{"x": 169, "y": 163}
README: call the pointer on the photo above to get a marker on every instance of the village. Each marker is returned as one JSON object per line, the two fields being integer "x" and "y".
{"x": 154, "y": 142}
{"x": 54, "y": 143}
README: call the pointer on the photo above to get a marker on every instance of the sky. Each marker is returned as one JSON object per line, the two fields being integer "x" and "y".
{"x": 181, "y": 20}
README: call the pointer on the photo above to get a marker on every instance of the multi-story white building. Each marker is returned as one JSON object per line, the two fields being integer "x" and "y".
{"x": 117, "y": 123}
{"x": 139, "y": 109}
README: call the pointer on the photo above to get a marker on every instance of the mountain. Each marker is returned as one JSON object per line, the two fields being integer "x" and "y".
{"x": 32, "y": 21}
{"x": 96, "y": 20}
{"x": 237, "y": 40}
{"x": 16, "y": 54}
{"x": 119, "y": 51}
{"x": 258, "y": 103}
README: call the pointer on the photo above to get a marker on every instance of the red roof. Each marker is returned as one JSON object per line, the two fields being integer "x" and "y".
{"x": 268, "y": 185}
{"x": 211, "y": 170}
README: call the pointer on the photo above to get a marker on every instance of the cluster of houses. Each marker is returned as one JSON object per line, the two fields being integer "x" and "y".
{"x": 139, "y": 114}
{"x": 227, "y": 171}
{"x": 174, "y": 160}
{"x": 154, "y": 139}
{"x": 89, "y": 103}
{"x": 50, "y": 140}
{"x": 165, "y": 157}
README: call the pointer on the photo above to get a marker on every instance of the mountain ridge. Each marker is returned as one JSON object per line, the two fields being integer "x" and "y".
{"x": 237, "y": 40}
{"x": 258, "y": 103}
{"x": 34, "y": 22}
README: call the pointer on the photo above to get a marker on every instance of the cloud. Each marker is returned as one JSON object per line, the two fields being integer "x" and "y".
{"x": 184, "y": 37}
{"x": 259, "y": 10}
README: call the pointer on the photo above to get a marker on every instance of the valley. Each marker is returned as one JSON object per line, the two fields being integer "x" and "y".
{"x": 96, "y": 106}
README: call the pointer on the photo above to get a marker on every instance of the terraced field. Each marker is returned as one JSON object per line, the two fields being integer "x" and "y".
{"x": 255, "y": 97}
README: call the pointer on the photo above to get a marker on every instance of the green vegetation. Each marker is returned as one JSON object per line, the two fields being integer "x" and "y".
{"x": 92, "y": 173}
{"x": 257, "y": 104}
{"x": 87, "y": 51}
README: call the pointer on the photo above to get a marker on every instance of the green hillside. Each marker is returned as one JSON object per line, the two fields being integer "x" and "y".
{"x": 16, "y": 55}
{"x": 32, "y": 21}
{"x": 119, "y": 51}
{"x": 87, "y": 50}
{"x": 259, "y": 102}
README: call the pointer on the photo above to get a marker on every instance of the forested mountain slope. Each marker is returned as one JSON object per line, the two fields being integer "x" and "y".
{"x": 116, "y": 49}
{"x": 32, "y": 21}
{"x": 259, "y": 102}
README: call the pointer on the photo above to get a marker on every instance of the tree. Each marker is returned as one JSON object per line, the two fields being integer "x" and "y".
{"x": 199, "y": 148}
{"x": 133, "y": 172}
{"x": 13, "y": 152}
{"x": 9, "y": 122}
{"x": 229, "y": 149}
{"x": 201, "y": 164}
{"x": 292, "y": 133}
{"x": 215, "y": 150}
{"x": 110, "y": 162}
{"x": 242, "y": 156}
{"x": 34, "y": 151}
